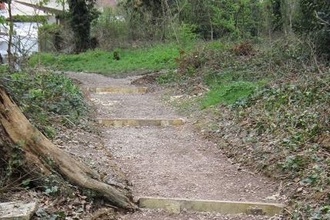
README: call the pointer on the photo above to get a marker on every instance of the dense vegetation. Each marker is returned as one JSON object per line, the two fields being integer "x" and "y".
{"x": 47, "y": 99}
{"x": 255, "y": 73}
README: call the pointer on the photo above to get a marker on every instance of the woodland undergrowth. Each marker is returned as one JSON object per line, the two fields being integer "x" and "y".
{"x": 268, "y": 109}
{"x": 46, "y": 98}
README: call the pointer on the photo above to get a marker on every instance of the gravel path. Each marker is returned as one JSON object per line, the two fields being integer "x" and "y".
{"x": 170, "y": 161}
{"x": 131, "y": 106}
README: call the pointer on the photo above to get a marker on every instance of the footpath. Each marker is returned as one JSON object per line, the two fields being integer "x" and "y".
{"x": 173, "y": 172}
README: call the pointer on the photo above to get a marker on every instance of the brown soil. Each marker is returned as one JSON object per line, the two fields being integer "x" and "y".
{"x": 162, "y": 161}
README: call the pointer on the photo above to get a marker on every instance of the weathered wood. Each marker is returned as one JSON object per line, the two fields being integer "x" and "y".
{"x": 225, "y": 207}
{"x": 121, "y": 122}
{"x": 39, "y": 150}
{"x": 120, "y": 90}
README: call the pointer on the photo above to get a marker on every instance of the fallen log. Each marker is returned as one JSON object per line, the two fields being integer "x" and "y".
{"x": 40, "y": 152}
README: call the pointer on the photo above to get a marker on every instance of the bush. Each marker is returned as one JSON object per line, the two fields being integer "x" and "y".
{"x": 46, "y": 98}
{"x": 111, "y": 30}
{"x": 313, "y": 22}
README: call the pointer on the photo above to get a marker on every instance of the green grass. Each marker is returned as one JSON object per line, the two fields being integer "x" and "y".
{"x": 228, "y": 87}
{"x": 228, "y": 93}
{"x": 140, "y": 59}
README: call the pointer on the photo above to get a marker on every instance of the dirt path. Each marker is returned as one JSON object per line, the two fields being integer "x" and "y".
{"x": 170, "y": 161}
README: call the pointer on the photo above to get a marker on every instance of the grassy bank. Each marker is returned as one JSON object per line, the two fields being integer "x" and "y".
{"x": 111, "y": 62}
{"x": 268, "y": 108}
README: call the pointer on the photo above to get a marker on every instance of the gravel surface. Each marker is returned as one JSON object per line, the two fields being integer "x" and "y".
{"x": 131, "y": 106}
{"x": 174, "y": 162}
{"x": 171, "y": 161}
{"x": 146, "y": 214}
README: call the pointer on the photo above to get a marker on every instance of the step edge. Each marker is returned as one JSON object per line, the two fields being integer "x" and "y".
{"x": 220, "y": 206}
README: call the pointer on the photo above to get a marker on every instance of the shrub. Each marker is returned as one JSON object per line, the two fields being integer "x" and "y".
{"x": 46, "y": 98}
{"x": 111, "y": 30}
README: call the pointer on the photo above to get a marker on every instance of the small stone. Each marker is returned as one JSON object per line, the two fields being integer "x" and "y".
{"x": 272, "y": 198}
{"x": 17, "y": 210}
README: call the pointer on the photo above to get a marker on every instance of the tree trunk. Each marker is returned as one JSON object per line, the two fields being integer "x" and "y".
{"x": 11, "y": 61}
{"x": 42, "y": 153}
{"x": 80, "y": 21}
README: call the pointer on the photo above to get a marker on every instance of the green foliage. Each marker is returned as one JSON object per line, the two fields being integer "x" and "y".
{"x": 315, "y": 213}
{"x": 185, "y": 34}
{"x": 168, "y": 77}
{"x": 51, "y": 185}
{"x": 168, "y": 20}
{"x": 33, "y": 18}
{"x": 313, "y": 15}
{"x": 148, "y": 20}
{"x": 294, "y": 163}
{"x": 139, "y": 59}
{"x": 300, "y": 123}
{"x": 188, "y": 64}
{"x": 216, "y": 45}
{"x": 12, "y": 171}
{"x": 42, "y": 213}
{"x": 214, "y": 19}
{"x": 81, "y": 14}
{"x": 15, "y": 160}
{"x": 49, "y": 28}
{"x": 228, "y": 93}
{"x": 46, "y": 98}
{"x": 313, "y": 20}
{"x": 111, "y": 30}
{"x": 292, "y": 114}
{"x": 183, "y": 21}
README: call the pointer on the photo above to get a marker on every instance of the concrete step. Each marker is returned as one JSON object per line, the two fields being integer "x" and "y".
{"x": 119, "y": 90}
{"x": 17, "y": 210}
{"x": 121, "y": 122}
{"x": 175, "y": 205}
